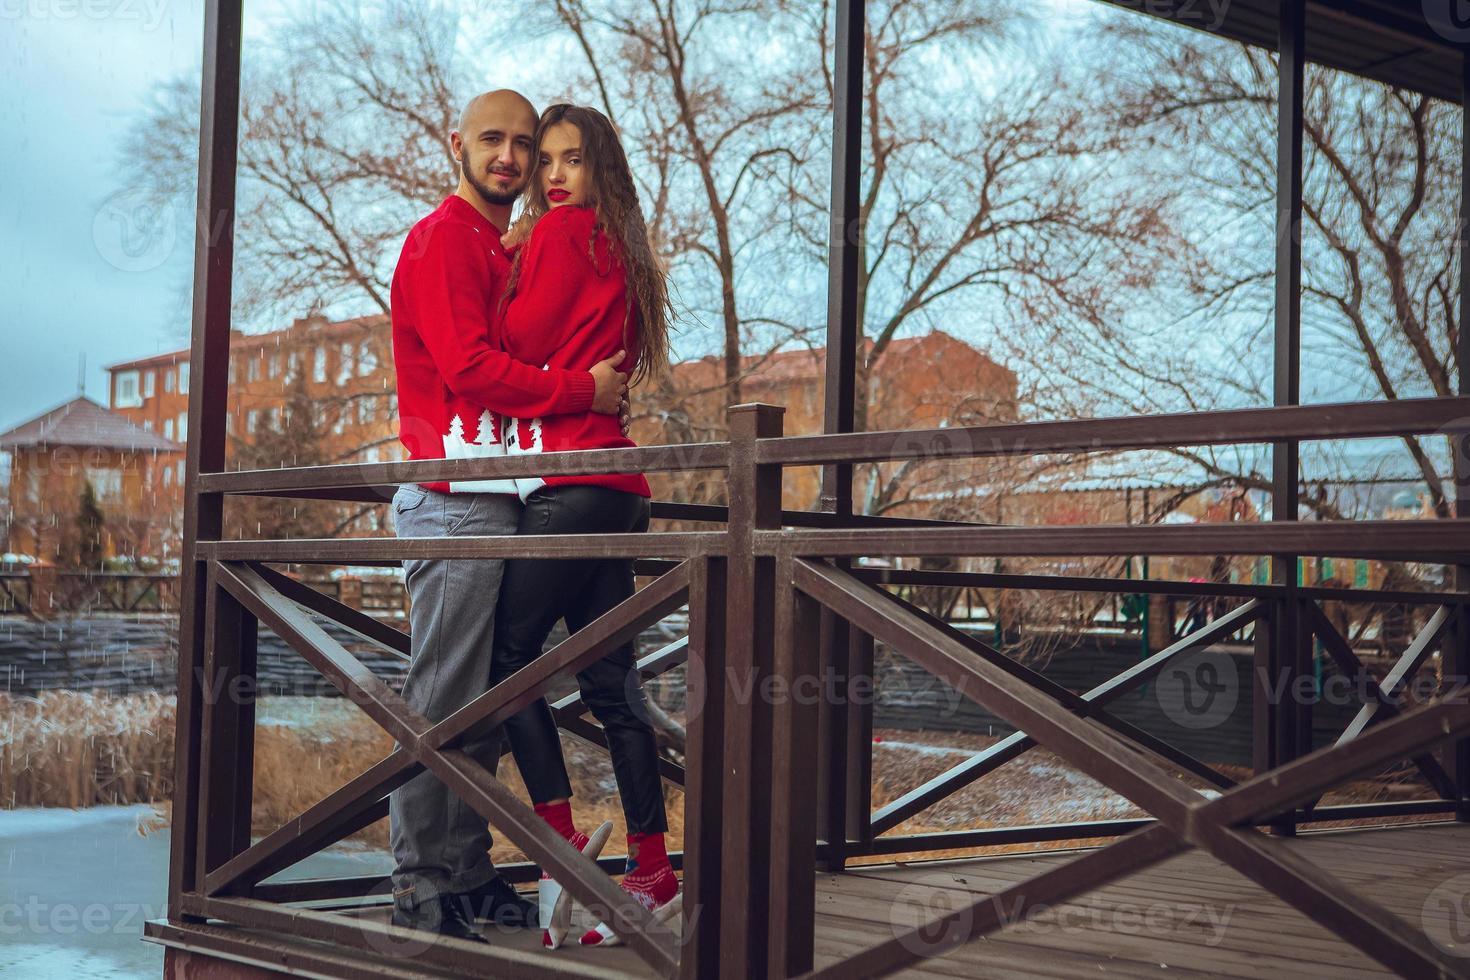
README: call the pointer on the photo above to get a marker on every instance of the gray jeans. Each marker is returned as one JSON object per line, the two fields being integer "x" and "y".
{"x": 440, "y": 843}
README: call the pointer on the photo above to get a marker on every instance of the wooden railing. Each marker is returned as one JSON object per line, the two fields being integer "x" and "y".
{"x": 777, "y": 786}
{"x": 778, "y": 783}
{"x": 47, "y": 591}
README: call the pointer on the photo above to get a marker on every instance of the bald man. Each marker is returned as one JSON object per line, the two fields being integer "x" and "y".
{"x": 454, "y": 387}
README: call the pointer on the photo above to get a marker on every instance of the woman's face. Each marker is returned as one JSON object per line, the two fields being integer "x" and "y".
{"x": 563, "y": 177}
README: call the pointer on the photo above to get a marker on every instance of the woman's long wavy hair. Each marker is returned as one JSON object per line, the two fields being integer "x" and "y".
{"x": 614, "y": 198}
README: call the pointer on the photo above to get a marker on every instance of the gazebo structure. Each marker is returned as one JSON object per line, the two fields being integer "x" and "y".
{"x": 777, "y": 786}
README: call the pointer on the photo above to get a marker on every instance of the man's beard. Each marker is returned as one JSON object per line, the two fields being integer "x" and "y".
{"x": 489, "y": 193}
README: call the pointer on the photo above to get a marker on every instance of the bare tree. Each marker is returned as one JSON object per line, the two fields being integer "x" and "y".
{"x": 344, "y": 119}
{"x": 708, "y": 134}
{"x": 976, "y": 210}
{"x": 981, "y": 205}
{"x": 1380, "y": 272}
{"x": 966, "y": 201}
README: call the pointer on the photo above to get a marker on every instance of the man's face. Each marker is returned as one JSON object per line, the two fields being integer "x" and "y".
{"x": 494, "y": 149}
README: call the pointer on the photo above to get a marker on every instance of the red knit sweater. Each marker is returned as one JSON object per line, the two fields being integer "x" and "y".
{"x": 453, "y": 381}
{"x": 568, "y": 313}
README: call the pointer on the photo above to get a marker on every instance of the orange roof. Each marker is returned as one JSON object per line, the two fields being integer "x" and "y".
{"x": 168, "y": 358}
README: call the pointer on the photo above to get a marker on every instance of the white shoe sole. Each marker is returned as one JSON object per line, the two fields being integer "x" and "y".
{"x": 660, "y": 915}
{"x": 554, "y": 903}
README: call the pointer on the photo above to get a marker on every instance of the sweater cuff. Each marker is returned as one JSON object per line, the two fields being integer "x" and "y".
{"x": 580, "y": 390}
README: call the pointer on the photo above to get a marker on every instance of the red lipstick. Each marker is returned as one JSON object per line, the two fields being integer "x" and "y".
{"x": 558, "y": 194}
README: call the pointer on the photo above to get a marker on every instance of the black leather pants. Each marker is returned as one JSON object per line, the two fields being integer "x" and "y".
{"x": 535, "y": 593}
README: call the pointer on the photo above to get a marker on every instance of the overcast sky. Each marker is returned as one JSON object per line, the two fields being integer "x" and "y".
{"x": 70, "y": 279}
{"x": 79, "y": 271}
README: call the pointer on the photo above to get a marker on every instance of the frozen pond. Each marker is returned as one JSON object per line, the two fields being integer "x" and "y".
{"x": 76, "y": 887}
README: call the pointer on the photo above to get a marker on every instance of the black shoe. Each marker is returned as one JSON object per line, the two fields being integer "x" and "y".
{"x": 496, "y": 901}
{"x": 443, "y": 915}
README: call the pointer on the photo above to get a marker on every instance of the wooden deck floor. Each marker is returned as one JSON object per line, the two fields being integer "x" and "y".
{"x": 1188, "y": 917}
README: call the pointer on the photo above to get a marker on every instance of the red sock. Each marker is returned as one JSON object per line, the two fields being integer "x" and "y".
{"x": 651, "y": 853}
{"x": 649, "y": 880}
{"x": 650, "y": 877}
{"x": 559, "y": 817}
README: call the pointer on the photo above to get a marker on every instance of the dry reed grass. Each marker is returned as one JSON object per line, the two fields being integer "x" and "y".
{"x": 295, "y": 768}
{"x": 72, "y": 749}
{"x": 69, "y": 749}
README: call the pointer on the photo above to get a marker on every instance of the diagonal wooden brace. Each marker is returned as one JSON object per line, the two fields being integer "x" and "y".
{"x": 431, "y": 746}
{"x": 1098, "y": 753}
{"x": 1384, "y": 695}
{"x": 1014, "y": 745}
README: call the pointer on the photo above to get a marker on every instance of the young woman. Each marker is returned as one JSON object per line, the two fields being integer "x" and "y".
{"x": 585, "y": 285}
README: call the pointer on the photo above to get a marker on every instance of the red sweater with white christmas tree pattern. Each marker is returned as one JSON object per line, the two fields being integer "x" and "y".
{"x": 570, "y": 310}
{"x": 454, "y": 382}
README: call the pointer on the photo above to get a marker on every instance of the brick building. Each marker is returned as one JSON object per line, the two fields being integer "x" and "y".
{"x": 134, "y": 475}
{"x": 342, "y": 373}
{"x": 919, "y": 382}
{"x": 313, "y": 393}
{"x": 343, "y": 369}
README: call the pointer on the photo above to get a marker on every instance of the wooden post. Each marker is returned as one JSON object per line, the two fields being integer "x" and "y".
{"x": 832, "y": 744}
{"x": 1292, "y": 722}
{"x": 862, "y": 693}
{"x": 1263, "y": 662}
{"x": 227, "y": 683}
{"x": 209, "y": 357}
{"x": 1159, "y": 631}
{"x": 844, "y": 338}
{"x": 794, "y": 792}
{"x": 745, "y": 853}
{"x": 1457, "y": 641}
{"x": 705, "y": 767}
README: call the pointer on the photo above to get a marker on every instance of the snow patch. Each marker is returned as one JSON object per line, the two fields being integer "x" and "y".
{"x": 35, "y": 960}
{"x": 29, "y": 821}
